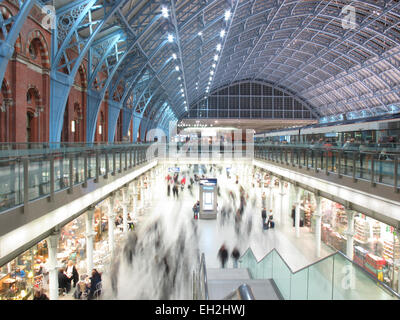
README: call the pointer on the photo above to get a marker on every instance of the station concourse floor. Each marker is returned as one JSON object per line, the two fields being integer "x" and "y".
{"x": 297, "y": 252}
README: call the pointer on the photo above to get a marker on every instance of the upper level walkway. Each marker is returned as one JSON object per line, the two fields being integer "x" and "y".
{"x": 47, "y": 186}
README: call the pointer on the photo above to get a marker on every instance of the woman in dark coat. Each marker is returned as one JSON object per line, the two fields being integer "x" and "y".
{"x": 94, "y": 281}
{"x": 63, "y": 282}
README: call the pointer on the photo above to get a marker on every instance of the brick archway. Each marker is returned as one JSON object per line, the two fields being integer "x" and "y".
{"x": 43, "y": 47}
{"x": 6, "y": 104}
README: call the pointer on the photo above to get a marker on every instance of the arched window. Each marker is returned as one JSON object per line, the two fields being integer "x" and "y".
{"x": 35, "y": 109}
{"x": 5, "y": 112}
{"x": 30, "y": 127}
{"x": 254, "y": 100}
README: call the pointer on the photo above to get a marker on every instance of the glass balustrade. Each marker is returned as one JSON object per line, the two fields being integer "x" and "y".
{"x": 375, "y": 166}
{"x": 31, "y": 171}
{"x": 334, "y": 277}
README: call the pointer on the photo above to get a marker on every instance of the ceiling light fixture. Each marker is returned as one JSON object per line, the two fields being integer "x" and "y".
{"x": 218, "y": 47}
{"x": 227, "y": 15}
{"x": 170, "y": 38}
{"x": 164, "y": 11}
{"x": 177, "y": 68}
{"x": 174, "y": 56}
{"x": 222, "y": 33}
{"x": 216, "y": 57}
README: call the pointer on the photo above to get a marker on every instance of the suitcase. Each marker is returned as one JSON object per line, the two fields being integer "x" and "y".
{"x": 265, "y": 226}
{"x": 196, "y": 216}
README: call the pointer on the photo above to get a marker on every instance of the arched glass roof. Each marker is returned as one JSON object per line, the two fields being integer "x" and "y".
{"x": 178, "y": 51}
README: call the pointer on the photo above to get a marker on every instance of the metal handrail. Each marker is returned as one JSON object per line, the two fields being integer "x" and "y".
{"x": 17, "y": 153}
{"x": 319, "y": 147}
{"x": 243, "y": 292}
{"x": 385, "y": 286}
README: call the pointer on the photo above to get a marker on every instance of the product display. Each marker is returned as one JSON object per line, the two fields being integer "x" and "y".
{"x": 361, "y": 230}
{"x": 359, "y": 255}
{"x": 374, "y": 265}
{"x": 375, "y": 248}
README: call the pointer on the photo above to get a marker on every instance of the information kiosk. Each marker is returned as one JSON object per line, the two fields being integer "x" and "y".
{"x": 208, "y": 199}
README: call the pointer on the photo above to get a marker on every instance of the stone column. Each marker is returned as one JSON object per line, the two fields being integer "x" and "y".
{"x": 270, "y": 195}
{"x": 125, "y": 203}
{"x": 111, "y": 223}
{"x": 148, "y": 193}
{"x": 89, "y": 239}
{"x": 142, "y": 195}
{"x": 281, "y": 195}
{"x": 52, "y": 244}
{"x": 350, "y": 233}
{"x": 318, "y": 216}
{"x": 134, "y": 199}
{"x": 297, "y": 216}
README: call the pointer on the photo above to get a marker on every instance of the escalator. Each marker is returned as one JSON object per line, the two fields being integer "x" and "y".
{"x": 334, "y": 277}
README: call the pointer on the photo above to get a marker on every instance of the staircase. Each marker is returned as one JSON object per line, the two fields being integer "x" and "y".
{"x": 221, "y": 282}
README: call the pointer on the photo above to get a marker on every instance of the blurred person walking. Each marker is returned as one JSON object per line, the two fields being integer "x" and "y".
{"x": 235, "y": 255}
{"x": 223, "y": 255}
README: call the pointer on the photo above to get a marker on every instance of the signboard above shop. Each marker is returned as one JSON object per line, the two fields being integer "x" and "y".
{"x": 208, "y": 182}
{"x": 174, "y": 169}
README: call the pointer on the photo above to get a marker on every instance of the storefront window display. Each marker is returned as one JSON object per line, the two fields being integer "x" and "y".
{"x": 72, "y": 244}
{"x": 21, "y": 276}
{"x": 377, "y": 249}
{"x": 376, "y": 246}
{"x": 307, "y": 209}
{"x": 334, "y": 224}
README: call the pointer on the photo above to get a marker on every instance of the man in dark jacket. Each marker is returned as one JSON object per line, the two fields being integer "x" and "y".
{"x": 235, "y": 255}
{"x": 264, "y": 214}
{"x": 294, "y": 215}
{"x": 223, "y": 255}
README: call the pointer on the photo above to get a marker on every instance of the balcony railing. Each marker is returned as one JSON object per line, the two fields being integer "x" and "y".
{"x": 28, "y": 173}
{"x": 375, "y": 166}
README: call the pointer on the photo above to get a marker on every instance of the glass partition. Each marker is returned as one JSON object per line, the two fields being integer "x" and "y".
{"x": 334, "y": 277}
{"x": 375, "y": 165}
{"x": 28, "y": 164}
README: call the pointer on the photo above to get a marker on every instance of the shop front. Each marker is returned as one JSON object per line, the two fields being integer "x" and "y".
{"x": 27, "y": 272}
{"x": 376, "y": 245}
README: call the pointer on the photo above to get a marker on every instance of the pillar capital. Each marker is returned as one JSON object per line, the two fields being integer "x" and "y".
{"x": 52, "y": 239}
{"x": 350, "y": 213}
{"x": 348, "y": 233}
{"x": 89, "y": 234}
{"x": 112, "y": 214}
